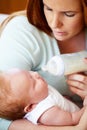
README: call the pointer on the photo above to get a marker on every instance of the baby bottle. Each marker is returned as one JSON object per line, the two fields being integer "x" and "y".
{"x": 66, "y": 63}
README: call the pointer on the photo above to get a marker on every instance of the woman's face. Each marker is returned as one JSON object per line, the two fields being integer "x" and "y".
{"x": 64, "y": 17}
{"x": 29, "y": 86}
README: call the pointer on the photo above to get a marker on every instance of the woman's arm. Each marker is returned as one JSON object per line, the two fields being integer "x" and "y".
{"x": 24, "y": 124}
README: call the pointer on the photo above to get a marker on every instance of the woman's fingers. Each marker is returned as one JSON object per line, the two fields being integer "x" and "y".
{"x": 79, "y": 92}
{"x": 78, "y": 84}
{"x": 78, "y": 77}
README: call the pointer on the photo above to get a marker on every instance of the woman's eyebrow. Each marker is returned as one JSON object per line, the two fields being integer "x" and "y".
{"x": 46, "y": 5}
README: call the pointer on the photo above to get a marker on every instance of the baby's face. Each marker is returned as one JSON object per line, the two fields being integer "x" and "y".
{"x": 27, "y": 85}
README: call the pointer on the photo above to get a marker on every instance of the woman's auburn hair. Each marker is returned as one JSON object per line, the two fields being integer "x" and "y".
{"x": 84, "y": 2}
{"x": 35, "y": 14}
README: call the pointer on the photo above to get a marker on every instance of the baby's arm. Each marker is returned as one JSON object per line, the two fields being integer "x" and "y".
{"x": 57, "y": 116}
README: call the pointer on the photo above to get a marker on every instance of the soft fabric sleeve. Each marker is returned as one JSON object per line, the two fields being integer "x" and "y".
{"x": 18, "y": 47}
{"x": 4, "y": 124}
{"x": 24, "y": 46}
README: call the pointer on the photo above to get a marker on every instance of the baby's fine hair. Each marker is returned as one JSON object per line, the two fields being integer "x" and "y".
{"x": 11, "y": 107}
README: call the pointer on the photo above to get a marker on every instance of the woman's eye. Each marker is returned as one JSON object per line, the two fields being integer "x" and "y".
{"x": 69, "y": 14}
{"x": 47, "y": 8}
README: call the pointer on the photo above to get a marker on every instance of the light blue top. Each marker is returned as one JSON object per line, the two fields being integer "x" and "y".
{"x": 24, "y": 46}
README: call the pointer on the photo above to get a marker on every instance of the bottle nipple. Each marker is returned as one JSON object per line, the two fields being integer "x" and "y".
{"x": 54, "y": 66}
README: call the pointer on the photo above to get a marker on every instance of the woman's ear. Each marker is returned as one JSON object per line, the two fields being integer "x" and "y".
{"x": 28, "y": 108}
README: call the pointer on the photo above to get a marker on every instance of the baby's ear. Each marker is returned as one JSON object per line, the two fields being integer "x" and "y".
{"x": 28, "y": 108}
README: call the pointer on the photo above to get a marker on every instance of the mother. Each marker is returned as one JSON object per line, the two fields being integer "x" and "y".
{"x": 53, "y": 27}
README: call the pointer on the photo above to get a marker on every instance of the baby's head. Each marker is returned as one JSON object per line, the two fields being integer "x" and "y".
{"x": 20, "y": 90}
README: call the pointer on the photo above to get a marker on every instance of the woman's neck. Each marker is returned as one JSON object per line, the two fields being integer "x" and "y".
{"x": 75, "y": 44}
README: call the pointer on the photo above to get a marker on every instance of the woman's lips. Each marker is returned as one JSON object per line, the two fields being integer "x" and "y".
{"x": 59, "y": 33}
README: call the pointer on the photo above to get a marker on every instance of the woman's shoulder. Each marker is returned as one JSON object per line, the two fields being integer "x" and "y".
{"x": 17, "y": 21}
{"x": 19, "y": 31}
{"x": 20, "y": 23}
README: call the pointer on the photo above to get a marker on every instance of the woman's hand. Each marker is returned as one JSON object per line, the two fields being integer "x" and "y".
{"x": 78, "y": 84}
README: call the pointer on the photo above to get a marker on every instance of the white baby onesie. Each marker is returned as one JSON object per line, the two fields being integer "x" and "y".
{"x": 54, "y": 99}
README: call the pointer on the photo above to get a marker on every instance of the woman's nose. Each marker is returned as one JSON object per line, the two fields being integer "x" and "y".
{"x": 56, "y": 22}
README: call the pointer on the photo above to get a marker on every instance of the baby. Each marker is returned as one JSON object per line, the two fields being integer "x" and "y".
{"x": 25, "y": 94}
